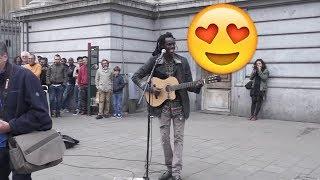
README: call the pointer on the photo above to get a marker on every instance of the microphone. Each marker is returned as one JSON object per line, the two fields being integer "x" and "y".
{"x": 161, "y": 55}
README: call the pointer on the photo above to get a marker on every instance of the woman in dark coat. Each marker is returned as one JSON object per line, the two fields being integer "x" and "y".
{"x": 259, "y": 77}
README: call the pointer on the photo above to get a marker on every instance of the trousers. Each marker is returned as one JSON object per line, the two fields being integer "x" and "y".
{"x": 104, "y": 102}
{"x": 172, "y": 156}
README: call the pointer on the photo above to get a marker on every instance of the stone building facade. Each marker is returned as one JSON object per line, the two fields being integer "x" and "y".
{"x": 7, "y": 6}
{"x": 126, "y": 31}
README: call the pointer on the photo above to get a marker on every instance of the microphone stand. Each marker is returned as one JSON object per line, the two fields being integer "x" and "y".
{"x": 148, "y": 85}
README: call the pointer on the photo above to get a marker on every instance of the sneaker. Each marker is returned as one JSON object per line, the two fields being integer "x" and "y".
{"x": 119, "y": 116}
{"x": 76, "y": 112}
{"x": 99, "y": 117}
{"x": 166, "y": 175}
{"x": 53, "y": 114}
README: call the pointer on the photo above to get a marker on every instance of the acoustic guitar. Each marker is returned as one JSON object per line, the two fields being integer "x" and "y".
{"x": 169, "y": 86}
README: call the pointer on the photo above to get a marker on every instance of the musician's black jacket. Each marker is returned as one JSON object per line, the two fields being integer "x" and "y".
{"x": 181, "y": 71}
{"x": 26, "y": 108}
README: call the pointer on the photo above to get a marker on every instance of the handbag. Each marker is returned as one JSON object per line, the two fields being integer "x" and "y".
{"x": 248, "y": 85}
{"x": 35, "y": 151}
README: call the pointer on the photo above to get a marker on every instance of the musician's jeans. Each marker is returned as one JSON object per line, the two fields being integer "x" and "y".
{"x": 173, "y": 158}
{"x": 5, "y": 168}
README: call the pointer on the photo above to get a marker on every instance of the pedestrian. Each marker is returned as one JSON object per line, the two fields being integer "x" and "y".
{"x": 33, "y": 66}
{"x": 76, "y": 88}
{"x": 65, "y": 65}
{"x": 177, "y": 110}
{"x": 83, "y": 85}
{"x": 259, "y": 77}
{"x": 23, "y": 109}
{"x": 56, "y": 78}
{"x": 103, "y": 82}
{"x": 44, "y": 68}
{"x": 118, "y": 85}
{"x": 17, "y": 61}
{"x": 24, "y": 57}
{"x": 67, "y": 103}
{"x": 64, "y": 62}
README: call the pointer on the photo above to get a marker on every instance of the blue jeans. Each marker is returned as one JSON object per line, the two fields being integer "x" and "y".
{"x": 68, "y": 96}
{"x": 117, "y": 103}
{"x": 55, "y": 93}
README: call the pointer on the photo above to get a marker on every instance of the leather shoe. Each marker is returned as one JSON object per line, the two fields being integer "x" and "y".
{"x": 99, "y": 117}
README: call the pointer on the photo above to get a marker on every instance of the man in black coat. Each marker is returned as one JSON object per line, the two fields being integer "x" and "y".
{"x": 23, "y": 108}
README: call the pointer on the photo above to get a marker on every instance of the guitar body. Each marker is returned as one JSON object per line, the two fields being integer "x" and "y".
{"x": 168, "y": 87}
{"x": 156, "y": 101}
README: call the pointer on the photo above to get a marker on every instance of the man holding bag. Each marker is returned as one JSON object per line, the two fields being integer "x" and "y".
{"x": 23, "y": 109}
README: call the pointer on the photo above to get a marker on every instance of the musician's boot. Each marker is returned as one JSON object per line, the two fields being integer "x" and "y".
{"x": 166, "y": 175}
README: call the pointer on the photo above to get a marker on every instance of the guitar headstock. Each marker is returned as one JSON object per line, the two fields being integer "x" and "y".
{"x": 212, "y": 79}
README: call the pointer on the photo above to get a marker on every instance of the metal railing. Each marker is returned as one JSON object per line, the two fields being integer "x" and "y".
{"x": 10, "y": 33}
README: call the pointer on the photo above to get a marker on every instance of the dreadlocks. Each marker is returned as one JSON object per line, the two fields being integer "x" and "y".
{"x": 160, "y": 42}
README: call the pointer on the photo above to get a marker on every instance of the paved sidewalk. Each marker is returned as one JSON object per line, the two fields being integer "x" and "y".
{"x": 217, "y": 147}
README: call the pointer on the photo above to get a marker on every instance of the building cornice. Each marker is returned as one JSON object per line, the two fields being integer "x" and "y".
{"x": 139, "y": 8}
{"x": 193, "y": 6}
{"x": 136, "y": 8}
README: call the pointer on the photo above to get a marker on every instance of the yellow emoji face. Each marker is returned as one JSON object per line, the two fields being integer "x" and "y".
{"x": 222, "y": 38}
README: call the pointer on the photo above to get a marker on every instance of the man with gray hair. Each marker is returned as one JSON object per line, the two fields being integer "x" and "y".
{"x": 23, "y": 109}
{"x": 104, "y": 83}
{"x": 24, "y": 57}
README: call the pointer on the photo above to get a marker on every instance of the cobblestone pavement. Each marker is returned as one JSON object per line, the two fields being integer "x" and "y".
{"x": 217, "y": 147}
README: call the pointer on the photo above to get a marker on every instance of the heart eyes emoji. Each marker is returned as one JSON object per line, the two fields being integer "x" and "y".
{"x": 235, "y": 34}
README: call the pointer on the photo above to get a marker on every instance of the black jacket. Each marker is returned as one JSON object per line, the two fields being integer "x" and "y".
{"x": 26, "y": 107}
{"x": 118, "y": 84}
{"x": 70, "y": 69}
{"x": 181, "y": 71}
{"x": 43, "y": 76}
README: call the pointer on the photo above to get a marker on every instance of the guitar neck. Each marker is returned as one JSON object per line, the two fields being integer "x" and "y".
{"x": 184, "y": 85}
